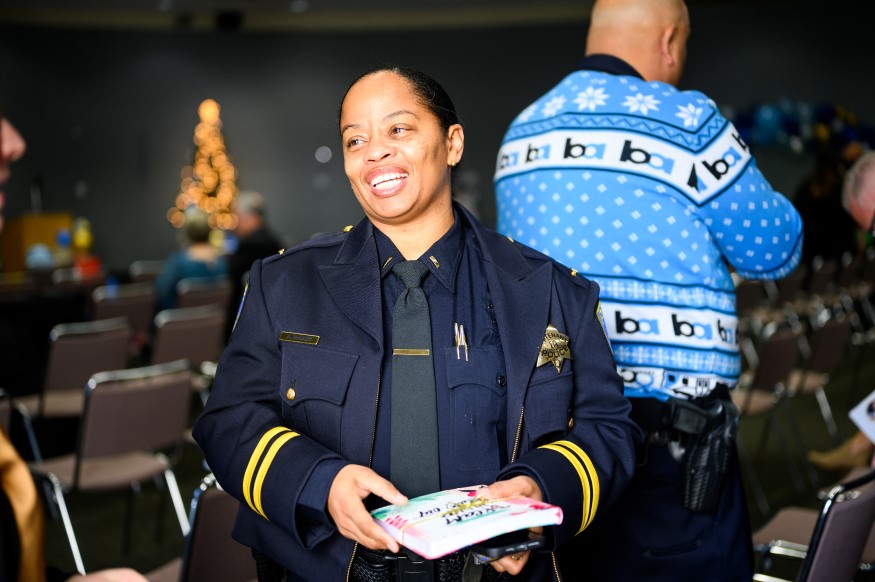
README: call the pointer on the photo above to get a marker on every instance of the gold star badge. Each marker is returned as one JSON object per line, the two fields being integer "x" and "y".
{"x": 555, "y": 348}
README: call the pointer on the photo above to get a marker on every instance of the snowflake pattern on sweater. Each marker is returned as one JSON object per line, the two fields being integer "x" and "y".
{"x": 652, "y": 193}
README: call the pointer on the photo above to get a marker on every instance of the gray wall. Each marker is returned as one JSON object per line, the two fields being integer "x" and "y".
{"x": 109, "y": 115}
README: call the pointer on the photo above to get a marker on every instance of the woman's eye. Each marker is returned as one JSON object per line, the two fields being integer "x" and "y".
{"x": 351, "y": 143}
{"x": 399, "y": 130}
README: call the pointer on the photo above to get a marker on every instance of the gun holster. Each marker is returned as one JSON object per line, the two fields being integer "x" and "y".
{"x": 700, "y": 435}
{"x": 706, "y": 458}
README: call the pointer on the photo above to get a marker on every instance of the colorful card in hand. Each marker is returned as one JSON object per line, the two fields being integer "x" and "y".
{"x": 440, "y": 523}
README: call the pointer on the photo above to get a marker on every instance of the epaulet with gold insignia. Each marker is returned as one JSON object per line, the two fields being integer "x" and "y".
{"x": 324, "y": 239}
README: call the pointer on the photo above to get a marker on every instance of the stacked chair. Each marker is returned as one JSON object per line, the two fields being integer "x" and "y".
{"x": 826, "y": 307}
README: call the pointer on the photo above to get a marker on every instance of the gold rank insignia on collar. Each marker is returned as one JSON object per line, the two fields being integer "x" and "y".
{"x": 555, "y": 348}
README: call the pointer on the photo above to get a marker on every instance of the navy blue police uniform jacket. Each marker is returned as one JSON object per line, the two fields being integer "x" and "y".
{"x": 297, "y": 388}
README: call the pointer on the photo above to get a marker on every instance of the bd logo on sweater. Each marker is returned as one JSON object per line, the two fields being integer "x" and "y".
{"x": 682, "y": 327}
{"x": 697, "y": 174}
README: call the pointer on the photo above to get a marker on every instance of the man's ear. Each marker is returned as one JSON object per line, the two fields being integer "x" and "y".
{"x": 668, "y": 45}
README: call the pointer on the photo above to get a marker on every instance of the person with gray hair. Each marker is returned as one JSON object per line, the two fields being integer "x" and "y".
{"x": 858, "y": 191}
{"x": 254, "y": 241}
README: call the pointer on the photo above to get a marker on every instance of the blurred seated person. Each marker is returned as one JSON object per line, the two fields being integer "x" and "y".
{"x": 829, "y": 231}
{"x": 858, "y": 199}
{"x": 198, "y": 258}
{"x": 255, "y": 240}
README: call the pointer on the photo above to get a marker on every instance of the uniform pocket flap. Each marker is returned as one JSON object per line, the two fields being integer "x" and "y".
{"x": 485, "y": 366}
{"x": 313, "y": 373}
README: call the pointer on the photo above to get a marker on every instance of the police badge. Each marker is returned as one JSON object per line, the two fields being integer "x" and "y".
{"x": 554, "y": 349}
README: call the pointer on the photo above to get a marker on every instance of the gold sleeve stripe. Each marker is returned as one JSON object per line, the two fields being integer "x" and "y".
{"x": 253, "y": 462}
{"x": 265, "y": 465}
{"x": 591, "y": 474}
{"x": 579, "y": 468}
{"x": 586, "y": 472}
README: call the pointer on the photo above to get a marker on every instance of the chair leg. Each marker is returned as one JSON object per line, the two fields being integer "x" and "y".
{"x": 162, "y": 506}
{"x": 173, "y": 488}
{"x": 129, "y": 517}
{"x": 782, "y": 443}
{"x": 58, "y": 498}
{"x": 826, "y": 413}
{"x": 753, "y": 480}
{"x": 27, "y": 421}
{"x": 800, "y": 440}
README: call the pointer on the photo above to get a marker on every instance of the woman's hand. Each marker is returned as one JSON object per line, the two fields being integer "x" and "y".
{"x": 351, "y": 485}
{"x": 524, "y": 486}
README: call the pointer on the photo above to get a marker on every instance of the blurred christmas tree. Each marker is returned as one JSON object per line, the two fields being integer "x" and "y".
{"x": 210, "y": 182}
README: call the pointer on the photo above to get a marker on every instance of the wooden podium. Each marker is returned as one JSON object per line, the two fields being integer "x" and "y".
{"x": 27, "y": 230}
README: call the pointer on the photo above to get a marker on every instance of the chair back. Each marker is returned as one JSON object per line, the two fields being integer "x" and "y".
{"x": 828, "y": 345}
{"x": 210, "y": 552}
{"x": 789, "y": 289}
{"x": 135, "y": 301}
{"x": 778, "y": 356}
{"x": 194, "y": 333}
{"x": 823, "y": 273}
{"x": 79, "y": 350}
{"x": 749, "y": 295}
{"x": 197, "y": 291}
{"x": 135, "y": 409}
{"x": 851, "y": 270}
{"x": 146, "y": 270}
{"x": 841, "y": 531}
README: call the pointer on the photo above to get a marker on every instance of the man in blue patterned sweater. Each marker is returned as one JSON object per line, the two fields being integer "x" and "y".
{"x": 651, "y": 192}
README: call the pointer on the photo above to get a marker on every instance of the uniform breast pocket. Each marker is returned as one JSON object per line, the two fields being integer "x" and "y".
{"x": 548, "y": 403}
{"x": 478, "y": 394}
{"x": 313, "y": 389}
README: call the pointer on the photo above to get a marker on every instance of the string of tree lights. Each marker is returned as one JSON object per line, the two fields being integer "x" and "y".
{"x": 210, "y": 182}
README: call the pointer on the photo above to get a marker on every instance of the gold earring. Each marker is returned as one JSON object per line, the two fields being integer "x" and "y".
{"x": 452, "y": 164}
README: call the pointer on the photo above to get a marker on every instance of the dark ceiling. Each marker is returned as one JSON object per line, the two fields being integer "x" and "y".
{"x": 257, "y": 15}
{"x": 280, "y": 14}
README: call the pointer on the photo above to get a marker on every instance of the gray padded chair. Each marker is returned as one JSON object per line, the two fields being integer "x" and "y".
{"x": 210, "y": 552}
{"x": 131, "y": 417}
{"x": 76, "y": 352}
{"x": 829, "y": 544}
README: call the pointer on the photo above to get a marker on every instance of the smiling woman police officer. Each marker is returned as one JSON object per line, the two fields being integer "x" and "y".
{"x": 299, "y": 424}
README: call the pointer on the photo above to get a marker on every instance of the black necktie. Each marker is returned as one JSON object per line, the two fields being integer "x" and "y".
{"x": 414, "y": 442}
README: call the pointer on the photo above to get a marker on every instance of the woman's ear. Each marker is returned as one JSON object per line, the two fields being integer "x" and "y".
{"x": 455, "y": 144}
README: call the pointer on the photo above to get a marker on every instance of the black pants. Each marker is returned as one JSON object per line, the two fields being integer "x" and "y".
{"x": 649, "y": 535}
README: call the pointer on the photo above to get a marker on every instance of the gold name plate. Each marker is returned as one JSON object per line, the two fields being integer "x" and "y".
{"x": 299, "y": 338}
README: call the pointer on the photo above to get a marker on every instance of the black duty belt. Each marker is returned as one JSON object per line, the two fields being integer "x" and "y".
{"x": 382, "y": 566}
{"x": 675, "y": 414}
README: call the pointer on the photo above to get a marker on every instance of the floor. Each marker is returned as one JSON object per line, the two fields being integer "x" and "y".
{"x": 156, "y": 537}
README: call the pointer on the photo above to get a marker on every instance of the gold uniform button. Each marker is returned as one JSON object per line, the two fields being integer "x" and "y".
{"x": 570, "y": 423}
{"x": 281, "y": 251}
{"x": 290, "y": 393}
{"x": 347, "y": 228}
